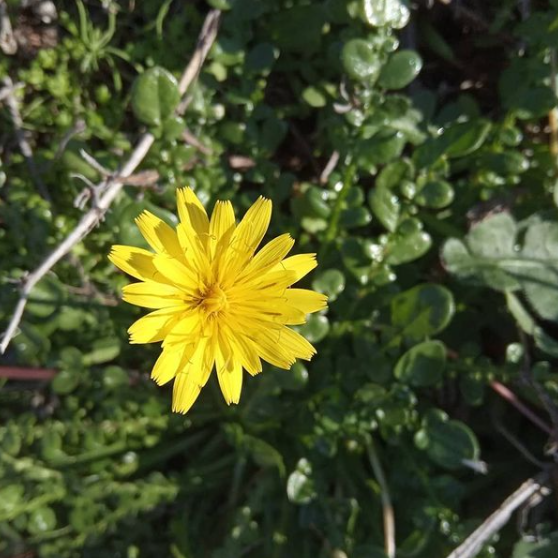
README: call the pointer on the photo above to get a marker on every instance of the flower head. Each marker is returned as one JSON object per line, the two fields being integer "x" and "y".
{"x": 217, "y": 302}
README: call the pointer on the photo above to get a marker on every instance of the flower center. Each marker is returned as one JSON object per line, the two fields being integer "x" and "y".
{"x": 214, "y": 300}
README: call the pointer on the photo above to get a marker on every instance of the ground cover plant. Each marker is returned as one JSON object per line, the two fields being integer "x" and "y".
{"x": 413, "y": 147}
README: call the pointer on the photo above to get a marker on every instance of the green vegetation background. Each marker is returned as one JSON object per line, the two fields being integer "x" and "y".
{"x": 415, "y": 152}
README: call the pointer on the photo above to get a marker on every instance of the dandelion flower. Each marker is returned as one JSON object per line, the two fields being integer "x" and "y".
{"x": 216, "y": 301}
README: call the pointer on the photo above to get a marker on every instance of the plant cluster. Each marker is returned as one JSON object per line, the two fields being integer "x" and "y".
{"x": 427, "y": 186}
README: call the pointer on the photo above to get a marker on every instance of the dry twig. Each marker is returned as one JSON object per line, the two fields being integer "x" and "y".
{"x": 110, "y": 187}
{"x": 24, "y": 147}
{"x": 475, "y": 541}
{"x": 387, "y": 507}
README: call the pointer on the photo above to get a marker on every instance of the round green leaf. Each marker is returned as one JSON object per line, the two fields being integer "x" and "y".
{"x": 449, "y": 444}
{"x": 408, "y": 243}
{"x": 423, "y": 364}
{"x": 65, "y": 381}
{"x": 104, "y": 350}
{"x": 355, "y": 217}
{"x": 422, "y": 311}
{"x": 314, "y": 97}
{"x": 41, "y": 520}
{"x": 401, "y": 69}
{"x": 114, "y": 377}
{"x": 155, "y": 96}
{"x": 361, "y": 61}
{"x": 330, "y": 282}
{"x": 315, "y": 329}
{"x": 45, "y": 297}
{"x": 300, "y": 485}
{"x": 261, "y": 57}
{"x": 11, "y": 496}
{"x": 380, "y": 13}
{"x": 435, "y": 194}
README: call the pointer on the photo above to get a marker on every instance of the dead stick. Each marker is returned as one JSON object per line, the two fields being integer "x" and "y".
{"x": 24, "y": 147}
{"x": 111, "y": 186}
{"x": 471, "y": 546}
{"x": 387, "y": 506}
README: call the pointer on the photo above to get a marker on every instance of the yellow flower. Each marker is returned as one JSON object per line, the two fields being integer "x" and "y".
{"x": 217, "y": 301}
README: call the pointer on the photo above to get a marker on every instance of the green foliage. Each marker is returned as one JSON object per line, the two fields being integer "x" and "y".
{"x": 436, "y": 231}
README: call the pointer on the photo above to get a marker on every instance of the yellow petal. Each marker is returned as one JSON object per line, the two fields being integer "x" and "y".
{"x": 296, "y": 345}
{"x": 191, "y": 379}
{"x": 222, "y": 220}
{"x": 158, "y": 234}
{"x": 268, "y": 344}
{"x": 305, "y": 300}
{"x": 150, "y": 294}
{"x": 268, "y": 257}
{"x": 300, "y": 265}
{"x": 272, "y": 309}
{"x": 155, "y": 325}
{"x": 221, "y": 230}
{"x": 136, "y": 262}
{"x": 229, "y": 372}
{"x": 245, "y": 351}
{"x": 193, "y": 247}
{"x": 192, "y": 212}
{"x": 184, "y": 394}
{"x": 249, "y": 233}
{"x": 176, "y": 272}
{"x": 186, "y": 330}
{"x": 167, "y": 365}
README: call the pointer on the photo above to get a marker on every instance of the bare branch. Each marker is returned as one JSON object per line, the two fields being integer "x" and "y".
{"x": 474, "y": 542}
{"x": 330, "y": 167}
{"x": 90, "y": 219}
{"x": 24, "y": 147}
{"x": 387, "y": 506}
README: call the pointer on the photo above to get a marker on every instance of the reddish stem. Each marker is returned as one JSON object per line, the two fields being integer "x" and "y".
{"x": 509, "y": 396}
{"x": 22, "y": 373}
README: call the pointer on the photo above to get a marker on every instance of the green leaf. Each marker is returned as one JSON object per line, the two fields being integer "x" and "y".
{"x": 155, "y": 96}
{"x": 316, "y": 328}
{"x": 300, "y": 485}
{"x": 330, "y": 282}
{"x": 408, "y": 243}
{"x": 457, "y": 140}
{"x": 11, "y": 496}
{"x": 435, "y": 194}
{"x": 422, "y": 311}
{"x": 480, "y": 257}
{"x": 401, "y": 69}
{"x": 263, "y": 453}
{"x": 381, "y": 13}
{"x": 382, "y": 199}
{"x": 314, "y": 96}
{"x": 379, "y": 150}
{"x": 449, "y": 443}
{"x": 46, "y": 297}
{"x": 545, "y": 547}
{"x": 65, "y": 381}
{"x": 114, "y": 377}
{"x": 104, "y": 350}
{"x": 540, "y": 280}
{"x": 465, "y": 137}
{"x": 361, "y": 61}
{"x": 41, "y": 520}
{"x": 355, "y": 217}
{"x": 405, "y": 247}
{"x": 422, "y": 365}
{"x": 261, "y": 57}
{"x": 545, "y": 343}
